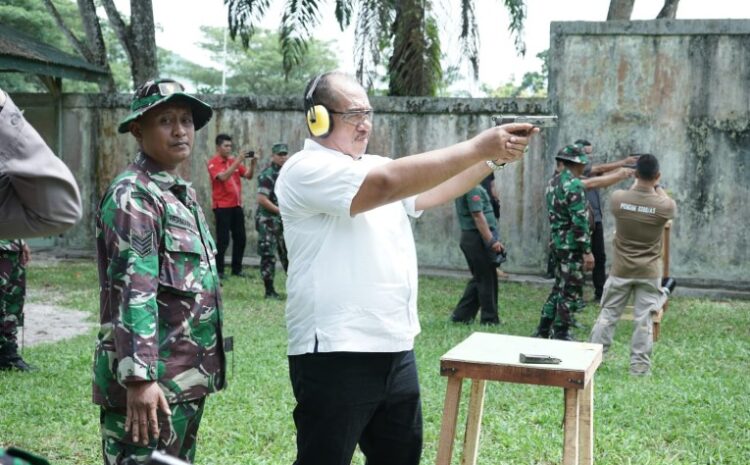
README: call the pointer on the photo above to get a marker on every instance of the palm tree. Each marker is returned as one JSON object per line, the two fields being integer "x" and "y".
{"x": 404, "y": 30}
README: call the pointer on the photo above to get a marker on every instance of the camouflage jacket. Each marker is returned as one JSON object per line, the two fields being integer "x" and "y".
{"x": 160, "y": 308}
{"x": 266, "y": 183}
{"x": 568, "y": 213}
{"x": 11, "y": 245}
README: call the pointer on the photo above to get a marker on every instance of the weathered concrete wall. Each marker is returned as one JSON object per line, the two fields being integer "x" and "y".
{"x": 95, "y": 153}
{"x": 679, "y": 90}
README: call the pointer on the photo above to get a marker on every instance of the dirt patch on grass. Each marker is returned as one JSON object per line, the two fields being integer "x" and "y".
{"x": 47, "y": 322}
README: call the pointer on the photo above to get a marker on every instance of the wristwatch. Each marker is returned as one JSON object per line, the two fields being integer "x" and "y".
{"x": 494, "y": 166}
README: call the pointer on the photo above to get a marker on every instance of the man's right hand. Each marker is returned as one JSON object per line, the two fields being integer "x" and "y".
{"x": 506, "y": 143}
{"x": 143, "y": 400}
{"x": 588, "y": 261}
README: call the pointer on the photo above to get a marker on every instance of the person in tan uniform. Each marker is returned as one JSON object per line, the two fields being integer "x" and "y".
{"x": 640, "y": 215}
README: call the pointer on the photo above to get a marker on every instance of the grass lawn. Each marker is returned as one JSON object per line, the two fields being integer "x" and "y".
{"x": 694, "y": 409}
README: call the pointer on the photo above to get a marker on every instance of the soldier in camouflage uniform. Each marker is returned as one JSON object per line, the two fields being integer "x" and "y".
{"x": 571, "y": 242}
{"x": 159, "y": 351}
{"x": 268, "y": 220}
{"x": 14, "y": 254}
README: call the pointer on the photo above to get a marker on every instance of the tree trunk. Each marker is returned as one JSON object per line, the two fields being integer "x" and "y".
{"x": 138, "y": 39}
{"x": 144, "y": 65}
{"x": 620, "y": 9}
{"x": 669, "y": 10}
{"x": 95, "y": 40}
{"x": 408, "y": 70}
{"x": 95, "y": 52}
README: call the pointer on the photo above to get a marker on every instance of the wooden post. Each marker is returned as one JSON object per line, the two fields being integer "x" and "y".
{"x": 570, "y": 433}
{"x": 450, "y": 416}
{"x": 473, "y": 422}
{"x": 586, "y": 425}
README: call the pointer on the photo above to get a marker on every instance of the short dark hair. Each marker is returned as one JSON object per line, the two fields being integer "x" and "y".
{"x": 582, "y": 142}
{"x": 647, "y": 167}
{"x": 324, "y": 93}
{"x": 221, "y": 138}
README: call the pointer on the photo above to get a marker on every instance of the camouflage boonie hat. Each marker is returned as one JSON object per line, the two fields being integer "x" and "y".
{"x": 157, "y": 91}
{"x": 279, "y": 148}
{"x": 572, "y": 153}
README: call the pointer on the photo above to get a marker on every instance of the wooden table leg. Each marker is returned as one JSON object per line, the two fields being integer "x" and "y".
{"x": 450, "y": 416}
{"x": 473, "y": 422}
{"x": 570, "y": 433}
{"x": 586, "y": 425}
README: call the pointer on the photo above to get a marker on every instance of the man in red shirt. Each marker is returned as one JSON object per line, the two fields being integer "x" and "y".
{"x": 226, "y": 196}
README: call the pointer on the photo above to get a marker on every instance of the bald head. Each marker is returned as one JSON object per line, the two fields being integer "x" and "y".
{"x": 331, "y": 87}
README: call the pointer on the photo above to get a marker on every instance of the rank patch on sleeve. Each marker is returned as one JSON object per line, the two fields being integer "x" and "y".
{"x": 476, "y": 198}
{"x": 142, "y": 243}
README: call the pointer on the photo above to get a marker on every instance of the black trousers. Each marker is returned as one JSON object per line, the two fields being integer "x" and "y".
{"x": 481, "y": 290}
{"x": 350, "y": 398}
{"x": 230, "y": 220}
{"x": 599, "y": 274}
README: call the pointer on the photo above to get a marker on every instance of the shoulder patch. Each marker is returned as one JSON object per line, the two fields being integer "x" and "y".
{"x": 142, "y": 243}
{"x": 476, "y": 197}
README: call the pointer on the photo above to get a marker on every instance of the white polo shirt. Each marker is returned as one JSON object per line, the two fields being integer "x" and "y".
{"x": 352, "y": 281}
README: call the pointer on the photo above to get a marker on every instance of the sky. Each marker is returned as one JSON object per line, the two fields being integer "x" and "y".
{"x": 179, "y": 29}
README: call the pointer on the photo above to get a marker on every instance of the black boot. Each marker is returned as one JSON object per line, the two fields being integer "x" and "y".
{"x": 543, "y": 330}
{"x": 10, "y": 360}
{"x": 562, "y": 333}
{"x": 270, "y": 291}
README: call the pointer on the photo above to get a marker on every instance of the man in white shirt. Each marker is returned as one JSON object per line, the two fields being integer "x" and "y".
{"x": 352, "y": 285}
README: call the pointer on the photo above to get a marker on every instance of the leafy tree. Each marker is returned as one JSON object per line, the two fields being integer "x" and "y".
{"x": 404, "y": 29}
{"x": 533, "y": 84}
{"x": 257, "y": 70}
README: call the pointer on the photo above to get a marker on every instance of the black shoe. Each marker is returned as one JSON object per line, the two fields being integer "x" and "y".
{"x": 563, "y": 334}
{"x": 15, "y": 362}
{"x": 221, "y": 275}
{"x": 459, "y": 320}
{"x": 273, "y": 295}
{"x": 669, "y": 284}
{"x": 490, "y": 323}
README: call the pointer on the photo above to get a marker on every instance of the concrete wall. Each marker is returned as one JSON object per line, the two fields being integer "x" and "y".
{"x": 96, "y": 153}
{"x": 680, "y": 90}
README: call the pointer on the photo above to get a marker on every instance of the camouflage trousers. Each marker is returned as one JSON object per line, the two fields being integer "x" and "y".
{"x": 270, "y": 243}
{"x": 12, "y": 296}
{"x": 177, "y": 434}
{"x": 566, "y": 296}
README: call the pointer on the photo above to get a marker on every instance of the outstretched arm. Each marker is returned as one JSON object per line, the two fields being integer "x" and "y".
{"x": 608, "y": 179}
{"x": 443, "y": 174}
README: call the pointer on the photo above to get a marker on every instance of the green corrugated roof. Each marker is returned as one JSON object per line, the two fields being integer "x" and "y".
{"x": 21, "y": 52}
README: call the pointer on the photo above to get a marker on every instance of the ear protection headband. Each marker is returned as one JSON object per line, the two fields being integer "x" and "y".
{"x": 318, "y": 118}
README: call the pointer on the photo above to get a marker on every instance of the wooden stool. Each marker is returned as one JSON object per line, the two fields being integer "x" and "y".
{"x": 495, "y": 357}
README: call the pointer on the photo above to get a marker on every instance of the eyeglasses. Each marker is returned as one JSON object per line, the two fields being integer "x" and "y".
{"x": 354, "y": 117}
{"x": 163, "y": 88}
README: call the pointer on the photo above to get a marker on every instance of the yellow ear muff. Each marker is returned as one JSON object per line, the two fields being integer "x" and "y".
{"x": 318, "y": 121}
